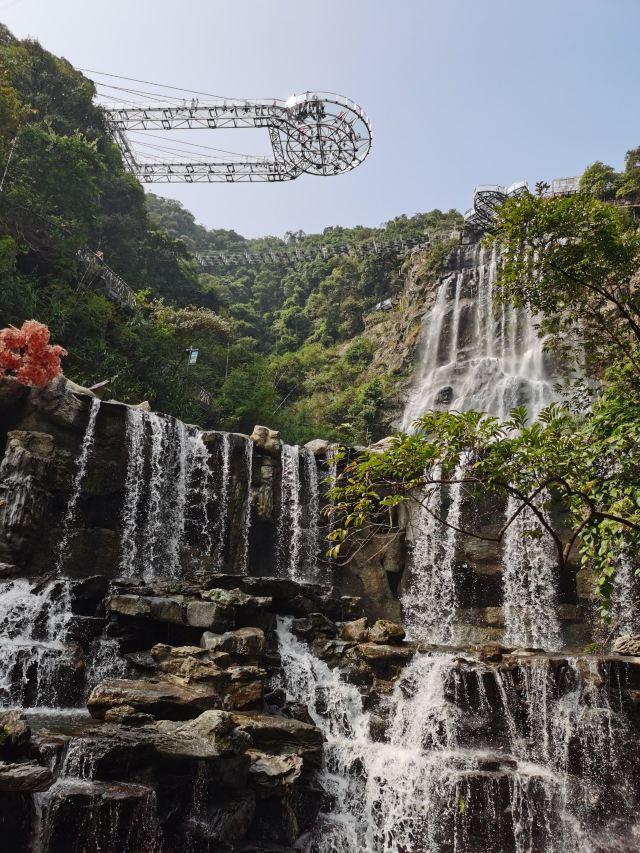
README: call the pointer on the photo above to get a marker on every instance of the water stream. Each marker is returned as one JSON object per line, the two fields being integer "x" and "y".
{"x": 472, "y": 758}
{"x": 476, "y": 354}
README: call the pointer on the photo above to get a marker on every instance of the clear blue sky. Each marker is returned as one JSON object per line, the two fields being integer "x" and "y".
{"x": 460, "y": 92}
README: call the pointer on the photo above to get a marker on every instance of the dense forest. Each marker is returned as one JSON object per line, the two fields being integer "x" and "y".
{"x": 278, "y": 343}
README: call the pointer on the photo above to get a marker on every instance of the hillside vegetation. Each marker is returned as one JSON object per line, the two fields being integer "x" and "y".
{"x": 279, "y": 343}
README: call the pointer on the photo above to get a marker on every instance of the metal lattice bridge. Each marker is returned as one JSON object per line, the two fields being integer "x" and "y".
{"x": 313, "y": 134}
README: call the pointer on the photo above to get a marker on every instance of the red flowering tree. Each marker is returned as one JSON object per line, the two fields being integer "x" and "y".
{"x": 27, "y": 355}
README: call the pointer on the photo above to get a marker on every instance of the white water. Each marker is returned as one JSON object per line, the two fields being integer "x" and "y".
{"x": 429, "y": 602}
{"x": 33, "y": 621}
{"x": 76, "y": 487}
{"x": 425, "y": 787}
{"x": 625, "y": 613}
{"x": 168, "y": 489}
{"x": 223, "y": 505}
{"x": 36, "y": 661}
{"x": 312, "y": 508}
{"x": 475, "y": 354}
{"x": 529, "y": 581}
{"x": 298, "y": 542}
{"x": 290, "y": 531}
{"x": 246, "y": 512}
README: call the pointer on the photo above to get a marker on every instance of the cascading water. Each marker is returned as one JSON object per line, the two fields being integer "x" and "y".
{"x": 290, "y": 535}
{"x": 36, "y": 661}
{"x": 246, "y": 512}
{"x": 312, "y": 507}
{"x": 175, "y": 497}
{"x": 223, "y": 507}
{"x": 475, "y": 354}
{"x": 625, "y": 613}
{"x": 479, "y": 354}
{"x": 298, "y": 531}
{"x": 34, "y": 658}
{"x": 473, "y": 759}
{"x": 429, "y": 601}
{"x": 76, "y": 488}
{"x": 529, "y": 582}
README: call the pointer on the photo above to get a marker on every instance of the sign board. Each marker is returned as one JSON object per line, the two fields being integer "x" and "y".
{"x": 193, "y": 356}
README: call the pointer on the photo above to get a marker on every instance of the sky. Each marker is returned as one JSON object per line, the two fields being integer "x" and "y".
{"x": 459, "y": 92}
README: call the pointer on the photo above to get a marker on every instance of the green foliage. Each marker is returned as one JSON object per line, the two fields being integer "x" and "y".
{"x": 557, "y": 457}
{"x": 574, "y": 261}
{"x": 603, "y": 181}
{"x": 279, "y": 343}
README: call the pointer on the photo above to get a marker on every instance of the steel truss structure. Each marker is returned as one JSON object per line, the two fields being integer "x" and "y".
{"x": 312, "y": 133}
{"x": 215, "y": 260}
{"x": 487, "y": 199}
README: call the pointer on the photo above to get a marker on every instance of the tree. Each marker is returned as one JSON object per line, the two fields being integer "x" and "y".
{"x": 600, "y": 180}
{"x": 591, "y": 465}
{"x": 574, "y": 262}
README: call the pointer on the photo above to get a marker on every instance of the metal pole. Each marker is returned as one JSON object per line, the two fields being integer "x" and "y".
{"x": 6, "y": 168}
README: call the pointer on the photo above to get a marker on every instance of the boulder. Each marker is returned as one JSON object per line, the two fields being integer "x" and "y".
{"x": 382, "y": 445}
{"x": 313, "y": 625}
{"x": 129, "y": 605}
{"x": 273, "y": 775}
{"x": 378, "y": 652}
{"x": 188, "y": 662}
{"x": 9, "y": 570}
{"x": 627, "y": 644}
{"x": 209, "y": 615}
{"x": 169, "y": 697}
{"x": 15, "y": 734}
{"x": 282, "y": 736}
{"x": 125, "y": 715}
{"x": 384, "y": 631}
{"x": 236, "y": 598}
{"x": 100, "y": 816}
{"x": 245, "y": 689}
{"x": 245, "y": 642}
{"x": 210, "y": 735}
{"x": 490, "y": 652}
{"x": 167, "y": 609}
{"x": 355, "y": 631}
{"x": 58, "y": 402}
{"x": 267, "y": 440}
{"x": 320, "y": 448}
{"x": 25, "y": 777}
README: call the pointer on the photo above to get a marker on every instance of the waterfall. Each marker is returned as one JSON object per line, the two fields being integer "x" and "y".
{"x": 298, "y": 540}
{"x": 625, "y": 614}
{"x": 529, "y": 582}
{"x": 76, "y": 487}
{"x": 246, "y": 513}
{"x": 475, "y": 354}
{"x": 36, "y": 665}
{"x": 133, "y": 488}
{"x": 429, "y": 602}
{"x": 312, "y": 506}
{"x": 290, "y": 531}
{"x": 167, "y": 494}
{"x": 479, "y": 354}
{"x": 444, "y": 776}
{"x": 223, "y": 506}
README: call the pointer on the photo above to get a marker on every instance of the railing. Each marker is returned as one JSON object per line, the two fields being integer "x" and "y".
{"x": 115, "y": 287}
